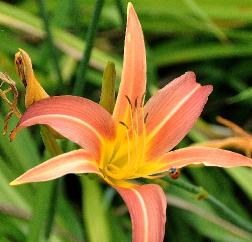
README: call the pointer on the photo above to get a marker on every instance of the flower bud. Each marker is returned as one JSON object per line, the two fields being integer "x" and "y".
{"x": 34, "y": 91}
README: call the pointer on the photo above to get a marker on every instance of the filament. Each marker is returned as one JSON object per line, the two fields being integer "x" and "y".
{"x": 131, "y": 132}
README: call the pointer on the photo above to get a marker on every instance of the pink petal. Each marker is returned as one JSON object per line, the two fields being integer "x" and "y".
{"x": 133, "y": 81}
{"x": 80, "y": 120}
{"x": 147, "y": 208}
{"x": 173, "y": 111}
{"x": 203, "y": 155}
{"x": 78, "y": 161}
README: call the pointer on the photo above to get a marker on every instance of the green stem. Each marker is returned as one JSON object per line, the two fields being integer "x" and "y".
{"x": 46, "y": 197}
{"x": 205, "y": 19}
{"x": 54, "y": 150}
{"x": 122, "y": 14}
{"x": 202, "y": 194}
{"x": 49, "y": 141}
{"x": 40, "y": 211}
{"x": 83, "y": 66}
{"x": 74, "y": 11}
{"x": 92, "y": 208}
{"x": 50, "y": 43}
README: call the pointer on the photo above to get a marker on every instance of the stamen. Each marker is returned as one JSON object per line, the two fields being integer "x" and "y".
{"x": 131, "y": 114}
{"x": 135, "y": 134}
{"x": 129, "y": 149}
{"x": 124, "y": 124}
{"x": 142, "y": 100}
{"x": 136, "y": 103}
{"x": 136, "y": 122}
{"x": 128, "y": 99}
{"x": 145, "y": 118}
{"x": 139, "y": 141}
{"x": 128, "y": 144}
{"x": 112, "y": 166}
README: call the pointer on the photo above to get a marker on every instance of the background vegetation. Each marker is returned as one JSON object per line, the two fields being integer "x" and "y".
{"x": 212, "y": 38}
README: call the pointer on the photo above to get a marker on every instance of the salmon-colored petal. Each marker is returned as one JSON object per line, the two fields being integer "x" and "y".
{"x": 147, "y": 208}
{"x": 78, "y": 119}
{"x": 78, "y": 161}
{"x": 172, "y": 112}
{"x": 133, "y": 81}
{"x": 203, "y": 155}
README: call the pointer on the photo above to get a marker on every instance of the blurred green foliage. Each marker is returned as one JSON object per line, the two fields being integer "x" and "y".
{"x": 212, "y": 38}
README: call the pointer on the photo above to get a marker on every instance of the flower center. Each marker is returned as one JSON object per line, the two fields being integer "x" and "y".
{"x": 126, "y": 160}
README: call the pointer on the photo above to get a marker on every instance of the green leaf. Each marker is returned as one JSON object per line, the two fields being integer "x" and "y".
{"x": 243, "y": 177}
{"x": 242, "y": 96}
{"x": 16, "y": 18}
{"x": 40, "y": 211}
{"x": 94, "y": 212}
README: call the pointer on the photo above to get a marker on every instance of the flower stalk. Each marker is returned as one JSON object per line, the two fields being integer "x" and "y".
{"x": 199, "y": 191}
{"x": 51, "y": 47}
{"x": 91, "y": 32}
{"x": 54, "y": 149}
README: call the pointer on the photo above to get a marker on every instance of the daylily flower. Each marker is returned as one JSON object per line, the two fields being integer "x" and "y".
{"x": 134, "y": 142}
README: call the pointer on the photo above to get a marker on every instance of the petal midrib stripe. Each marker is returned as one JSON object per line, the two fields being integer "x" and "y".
{"x": 142, "y": 204}
{"x": 62, "y": 116}
{"x": 173, "y": 111}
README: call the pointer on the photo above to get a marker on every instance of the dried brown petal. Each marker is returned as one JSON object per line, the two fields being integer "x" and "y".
{"x": 5, "y": 79}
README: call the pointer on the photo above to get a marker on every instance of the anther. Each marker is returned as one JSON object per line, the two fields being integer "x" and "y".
{"x": 142, "y": 100}
{"x": 128, "y": 99}
{"x": 145, "y": 118}
{"x": 136, "y": 103}
{"x": 124, "y": 124}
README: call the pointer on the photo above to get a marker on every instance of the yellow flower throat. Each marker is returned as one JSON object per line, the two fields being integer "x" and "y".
{"x": 124, "y": 158}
